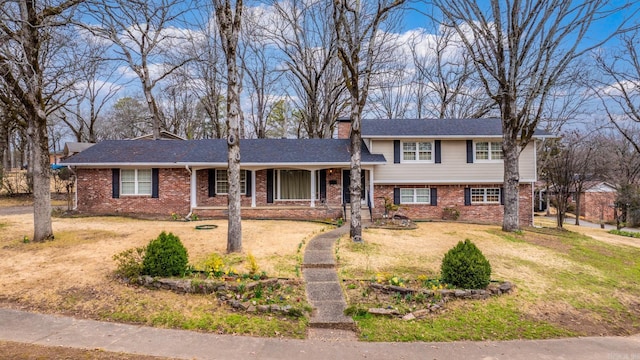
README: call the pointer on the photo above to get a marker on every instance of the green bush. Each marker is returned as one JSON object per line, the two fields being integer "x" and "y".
{"x": 465, "y": 267}
{"x": 165, "y": 256}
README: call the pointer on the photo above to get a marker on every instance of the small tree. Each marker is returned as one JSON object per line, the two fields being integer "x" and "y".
{"x": 165, "y": 256}
{"x": 465, "y": 266}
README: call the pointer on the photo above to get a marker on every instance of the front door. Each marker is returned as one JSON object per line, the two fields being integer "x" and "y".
{"x": 346, "y": 180}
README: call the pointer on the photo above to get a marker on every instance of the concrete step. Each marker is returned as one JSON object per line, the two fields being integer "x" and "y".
{"x": 330, "y": 315}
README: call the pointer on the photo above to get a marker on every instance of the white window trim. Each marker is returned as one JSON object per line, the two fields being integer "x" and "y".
{"x": 416, "y": 142}
{"x": 484, "y": 196}
{"x": 243, "y": 184}
{"x": 490, "y": 159}
{"x": 136, "y": 189}
{"x": 415, "y": 196}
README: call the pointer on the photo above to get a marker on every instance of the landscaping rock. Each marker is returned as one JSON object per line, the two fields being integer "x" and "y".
{"x": 506, "y": 287}
{"x": 419, "y": 314}
{"x": 381, "y": 311}
{"x": 263, "y": 308}
{"x": 408, "y": 317}
{"x": 461, "y": 293}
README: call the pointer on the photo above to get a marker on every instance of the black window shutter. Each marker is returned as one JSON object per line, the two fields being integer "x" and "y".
{"x": 469, "y": 151}
{"x": 434, "y": 196}
{"x": 467, "y": 196}
{"x": 115, "y": 183}
{"x": 247, "y": 181}
{"x": 396, "y": 151}
{"x": 155, "y": 179}
{"x": 502, "y": 196}
{"x": 269, "y": 186}
{"x": 323, "y": 184}
{"x": 211, "y": 182}
{"x": 396, "y": 196}
{"x": 438, "y": 151}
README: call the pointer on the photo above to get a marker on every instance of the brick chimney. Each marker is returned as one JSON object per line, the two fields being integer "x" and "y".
{"x": 344, "y": 128}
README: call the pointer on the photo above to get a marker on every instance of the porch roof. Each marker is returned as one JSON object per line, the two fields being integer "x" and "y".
{"x": 436, "y": 128}
{"x": 212, "y": 152}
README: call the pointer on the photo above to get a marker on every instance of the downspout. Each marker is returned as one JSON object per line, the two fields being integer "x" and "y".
{"x": 188, "y": 217}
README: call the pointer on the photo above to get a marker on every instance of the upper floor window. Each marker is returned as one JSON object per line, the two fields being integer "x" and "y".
{"x": 417, "y": 151}
{"x": 489, "y": 150}
{"x": 485, "y": 196}
{"x": 222, "y": 183}
{"x": 415, "y": 196}
{"x": 135, "y": 181}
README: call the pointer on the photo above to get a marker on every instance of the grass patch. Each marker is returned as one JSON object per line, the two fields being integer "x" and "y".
{"x": 568, "y": 284}
{"x": 493, "y": 319}
{"x": 625, "y": 233}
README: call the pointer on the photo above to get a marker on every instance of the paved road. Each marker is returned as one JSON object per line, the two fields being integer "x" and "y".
{"x": 53, "y": 330}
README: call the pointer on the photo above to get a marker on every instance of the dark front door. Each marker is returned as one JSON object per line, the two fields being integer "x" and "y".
{"x": 346, "y": 180}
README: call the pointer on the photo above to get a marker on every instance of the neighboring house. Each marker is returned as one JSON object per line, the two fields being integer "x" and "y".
{"x": 72, "y": 148}
{"x": 426, "y": 166}
{"x": 597, "y": 202}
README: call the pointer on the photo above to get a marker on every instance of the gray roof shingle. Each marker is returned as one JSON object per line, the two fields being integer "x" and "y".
{"x": 214, "y": 151}
{"x": 488, "y": 127}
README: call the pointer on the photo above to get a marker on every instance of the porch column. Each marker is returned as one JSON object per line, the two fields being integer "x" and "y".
{"x": 193, "y": 194}
{"x": 313, "y": 188}
{"x": 371, "y": 197}
{"x": 253, "y": 188}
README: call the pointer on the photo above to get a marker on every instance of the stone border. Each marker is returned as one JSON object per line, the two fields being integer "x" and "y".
{"x": 445, "y": 295}
{"x": 225, "y": 291}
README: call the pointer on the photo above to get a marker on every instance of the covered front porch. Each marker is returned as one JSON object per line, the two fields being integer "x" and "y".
{"x": 291, "y": 192}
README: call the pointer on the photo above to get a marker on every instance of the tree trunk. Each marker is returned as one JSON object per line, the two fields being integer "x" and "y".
{"x": 511, "y": 185}
{"x": 577, "y": 207}
{"x": 39, "y": 164}
{"x": 355, "y": 184}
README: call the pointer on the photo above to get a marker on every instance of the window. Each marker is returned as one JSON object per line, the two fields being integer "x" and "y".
{"x": 135, "y": 181}
{"x": 222, "y": 185}
{"x": 485, "y": 196}
{"x": 417, "y": 151}
{"x": 415, "y": 196}
{"x": 294, "y": 185}
{"x": 489, "y": 151}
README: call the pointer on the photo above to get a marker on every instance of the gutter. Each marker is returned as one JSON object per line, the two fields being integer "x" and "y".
{"x": 190, "y": 191}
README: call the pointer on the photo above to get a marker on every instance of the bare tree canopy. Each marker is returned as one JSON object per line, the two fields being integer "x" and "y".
{"x": 520, "y": 50}
{"x": 619, "y": 89}
{"x": 26, "y": 28}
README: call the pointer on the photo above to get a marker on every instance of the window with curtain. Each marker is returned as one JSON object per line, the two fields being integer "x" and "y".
{"x": 294, "y": 185}
{"x": 135, "y": 181}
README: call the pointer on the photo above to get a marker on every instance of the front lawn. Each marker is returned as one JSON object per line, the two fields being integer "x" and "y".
{"x": 567, "y": 284}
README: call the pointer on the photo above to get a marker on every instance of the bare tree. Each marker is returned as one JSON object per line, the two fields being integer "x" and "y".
{"x": 128, "y": 118}
{"x": 229, "y": 24}
{"x": 359, "y": 37}
{"x": 520, "y": 49}
{"x": 568, "y": 171}
{"x": 25, "y": 28}
{"x": 145, "y": 35}
{"x": 619, "y": 90}
{"x": 445, "y": 82}
{"x": 303, "y": 32}
{"x": 95, "y": 86}
{"x": 260, "y": 72}
{"x": 390, "y": 95}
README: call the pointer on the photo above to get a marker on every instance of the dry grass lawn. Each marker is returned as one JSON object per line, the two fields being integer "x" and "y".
{"x": 73, "y": 273}
{"x": 567, "y": 282}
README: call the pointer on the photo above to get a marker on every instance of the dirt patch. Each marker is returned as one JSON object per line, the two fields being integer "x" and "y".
{"x": 21, "y": 351}
{"x": 547, "y": 238}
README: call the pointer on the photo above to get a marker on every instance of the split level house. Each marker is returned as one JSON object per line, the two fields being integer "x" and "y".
{"x": 428, "y": 167}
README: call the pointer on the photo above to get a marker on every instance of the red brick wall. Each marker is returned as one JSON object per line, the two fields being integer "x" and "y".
{"x": 452, "y": 196}
{"x": 94, "y": 194}
{"x": 595, "y": 206}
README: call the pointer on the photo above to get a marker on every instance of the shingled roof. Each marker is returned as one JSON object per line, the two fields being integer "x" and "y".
{"x": 441, "y": 128}
{"x": 214, "y": 152}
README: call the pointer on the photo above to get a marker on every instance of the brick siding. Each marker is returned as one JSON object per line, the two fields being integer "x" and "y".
{"x": 452, "y": 196}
